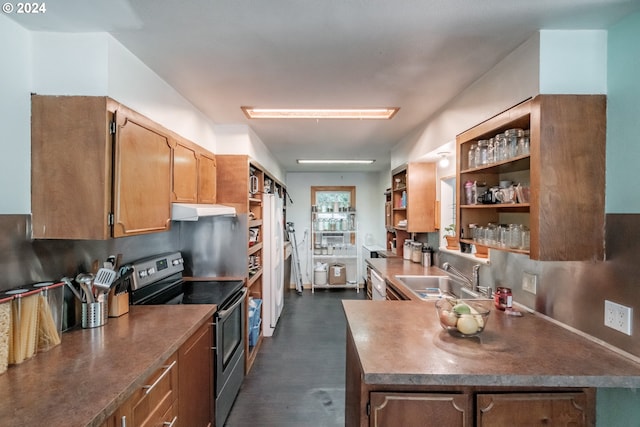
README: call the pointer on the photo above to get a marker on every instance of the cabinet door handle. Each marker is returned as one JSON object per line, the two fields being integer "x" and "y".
{"x": 123, "y": 421}
{"x": 170, "y": 424}
{"x": 167, "y": 369}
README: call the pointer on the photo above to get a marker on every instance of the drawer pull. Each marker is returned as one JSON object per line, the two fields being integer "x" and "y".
{"x": 170, "y": 424}
{"x": 155, "y": 383}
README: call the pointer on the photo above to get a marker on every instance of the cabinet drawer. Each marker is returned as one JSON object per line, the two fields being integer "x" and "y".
{"x": 152, "y": 401}
{"x": 419, "y": 409}
{"x": 533, "y": 409}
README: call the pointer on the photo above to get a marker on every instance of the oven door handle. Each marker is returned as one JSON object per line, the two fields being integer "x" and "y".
{"x": 223, "y": 314}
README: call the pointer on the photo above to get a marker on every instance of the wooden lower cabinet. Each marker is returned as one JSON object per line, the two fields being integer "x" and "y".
{"x": 195, "y": 379}
{"x": 532, "y": 409}
{"x": 391, "y": 405}
{"x": 498, "y": 409}
{"x": 419, "y": 409}
{"x": 179, "y": 394}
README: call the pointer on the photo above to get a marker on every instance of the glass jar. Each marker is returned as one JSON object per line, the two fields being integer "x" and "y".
{"x": 416, "y": 252}
{"x": 500, "y": 147}
{"x": 472, "y": 156}
{"x": 515, "y": 236}
{"x": 526, "y": 239}
{"x": 503, "y": 298}
{"x": 406, "y": 249}
{"x": 512, "y": 136}
{"x": 491, "y": 151}
{"x": 481, "y": 153}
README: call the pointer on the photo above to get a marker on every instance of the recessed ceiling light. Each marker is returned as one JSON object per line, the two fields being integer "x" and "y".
{"x": 335, "y": 161}
{"x": 320, "y": 113}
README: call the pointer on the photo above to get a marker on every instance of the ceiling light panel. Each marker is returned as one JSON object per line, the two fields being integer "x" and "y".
{"x": 320, "y": 113}
{"x": 335, "y": 161}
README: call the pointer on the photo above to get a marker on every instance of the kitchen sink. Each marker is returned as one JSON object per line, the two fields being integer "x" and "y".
{"x": 426, "y": 287}
{"x": 434, "y": 287}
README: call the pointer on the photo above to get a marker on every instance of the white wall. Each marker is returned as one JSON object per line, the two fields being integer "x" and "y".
{"x": 369, "y": 203}
{"x": 241, "y": 139}
{"x": 511, "y": 81}
{"x": 97, "y": 64}
{"x": 15, "y": 110}
{"x": 76, "y": 64}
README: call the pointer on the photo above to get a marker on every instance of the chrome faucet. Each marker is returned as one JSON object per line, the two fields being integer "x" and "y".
{"x": 473, "y": 282}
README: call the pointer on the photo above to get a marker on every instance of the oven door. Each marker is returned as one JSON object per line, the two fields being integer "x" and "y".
{"x": 230, "y": 339}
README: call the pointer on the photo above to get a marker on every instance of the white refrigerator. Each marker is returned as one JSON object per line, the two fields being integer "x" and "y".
{"x": 272, "y": 262}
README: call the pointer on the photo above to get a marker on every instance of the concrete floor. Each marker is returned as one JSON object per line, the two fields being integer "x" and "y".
{"x": 298, "y": 376}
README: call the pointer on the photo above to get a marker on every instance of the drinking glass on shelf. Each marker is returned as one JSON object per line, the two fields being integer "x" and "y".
{"x": 515, "y": 232}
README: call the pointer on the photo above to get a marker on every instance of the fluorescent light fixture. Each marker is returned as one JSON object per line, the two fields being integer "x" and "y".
{"x": 335, "y": 162}
{"x": 320, "y": 113}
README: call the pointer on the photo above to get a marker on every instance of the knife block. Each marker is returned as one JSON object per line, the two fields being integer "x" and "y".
{"x": 118, "y": 304}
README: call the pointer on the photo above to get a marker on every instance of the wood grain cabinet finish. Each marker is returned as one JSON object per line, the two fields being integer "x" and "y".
{"x": 419, "y": 409}
{"x": 153, "y": 403}
{"x": 195, "y": 379}
{"x": 142, "y": 176}
{"x": 98, "y": 170}
{"x": 185, "y": 174}
{"x": 532, "y": 409}
{"x": 207, "y": 178}
{"x": 565, "y": 170}
{"x": 194, "y": 174}
{"x": 179, "y": 392}
{"x": 418, "y": 180}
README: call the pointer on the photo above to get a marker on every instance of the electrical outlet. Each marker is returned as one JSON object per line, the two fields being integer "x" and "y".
{"x": 529, "y": 282}
{"x": 618, "y": 317}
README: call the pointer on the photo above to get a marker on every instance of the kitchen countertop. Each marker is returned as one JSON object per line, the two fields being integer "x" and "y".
{"x": 402, "y": 343}
{"x": 93, "y": 371}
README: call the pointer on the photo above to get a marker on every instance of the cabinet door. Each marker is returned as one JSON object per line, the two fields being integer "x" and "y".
{"x": 142, "y": 177}
{"x": 185, "y": 174}
{"x": 152, "y": 401}
{"x": 195, "y": 386}
{"x": 70, "y": 167}
{"x": 532, "y": 409}
{"x": 206, "y": 179}
{"x": 419, "y": 409}
{"x": 421, "y": 194}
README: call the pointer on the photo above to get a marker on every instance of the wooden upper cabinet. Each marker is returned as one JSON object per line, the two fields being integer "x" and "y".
{"x": 565, "y": 171}
{"x": 194, "y": 174}
{"x": 185, "y": 174}
{"x": 207, "y": 191}
{"x": 93, "y": 178}
{"x": 142, "y": 176}
{"x": 414, "y": 197}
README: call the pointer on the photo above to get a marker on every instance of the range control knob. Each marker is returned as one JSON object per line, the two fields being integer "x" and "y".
{"x": 175, "y": 261}
{"x": 142, "y": 273}
{"x": 151, "y": 270}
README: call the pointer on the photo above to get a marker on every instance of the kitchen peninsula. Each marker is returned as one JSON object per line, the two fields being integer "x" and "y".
{"x": 402, "y": 366}
{"x": 94, "y": 372}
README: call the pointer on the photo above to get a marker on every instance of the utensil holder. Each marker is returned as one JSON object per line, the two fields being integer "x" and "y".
{"x": 94, "y": 314}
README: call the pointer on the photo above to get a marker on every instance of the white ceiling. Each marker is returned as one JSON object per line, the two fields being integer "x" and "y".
{"x": 414, "y": 54}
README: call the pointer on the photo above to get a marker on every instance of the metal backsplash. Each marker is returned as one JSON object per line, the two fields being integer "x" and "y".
{"x": 24, "y": 260}
{"x": 574, "y": 292}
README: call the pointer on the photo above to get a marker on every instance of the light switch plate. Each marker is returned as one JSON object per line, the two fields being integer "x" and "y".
{"x": 618, "y": 317}
{"x": 529, "y": 282}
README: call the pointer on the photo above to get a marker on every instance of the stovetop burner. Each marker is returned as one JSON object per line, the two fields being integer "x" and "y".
{"x": 210, "y": 291}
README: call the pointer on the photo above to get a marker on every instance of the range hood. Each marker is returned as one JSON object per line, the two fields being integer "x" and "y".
{"x": 191, "y": 211}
